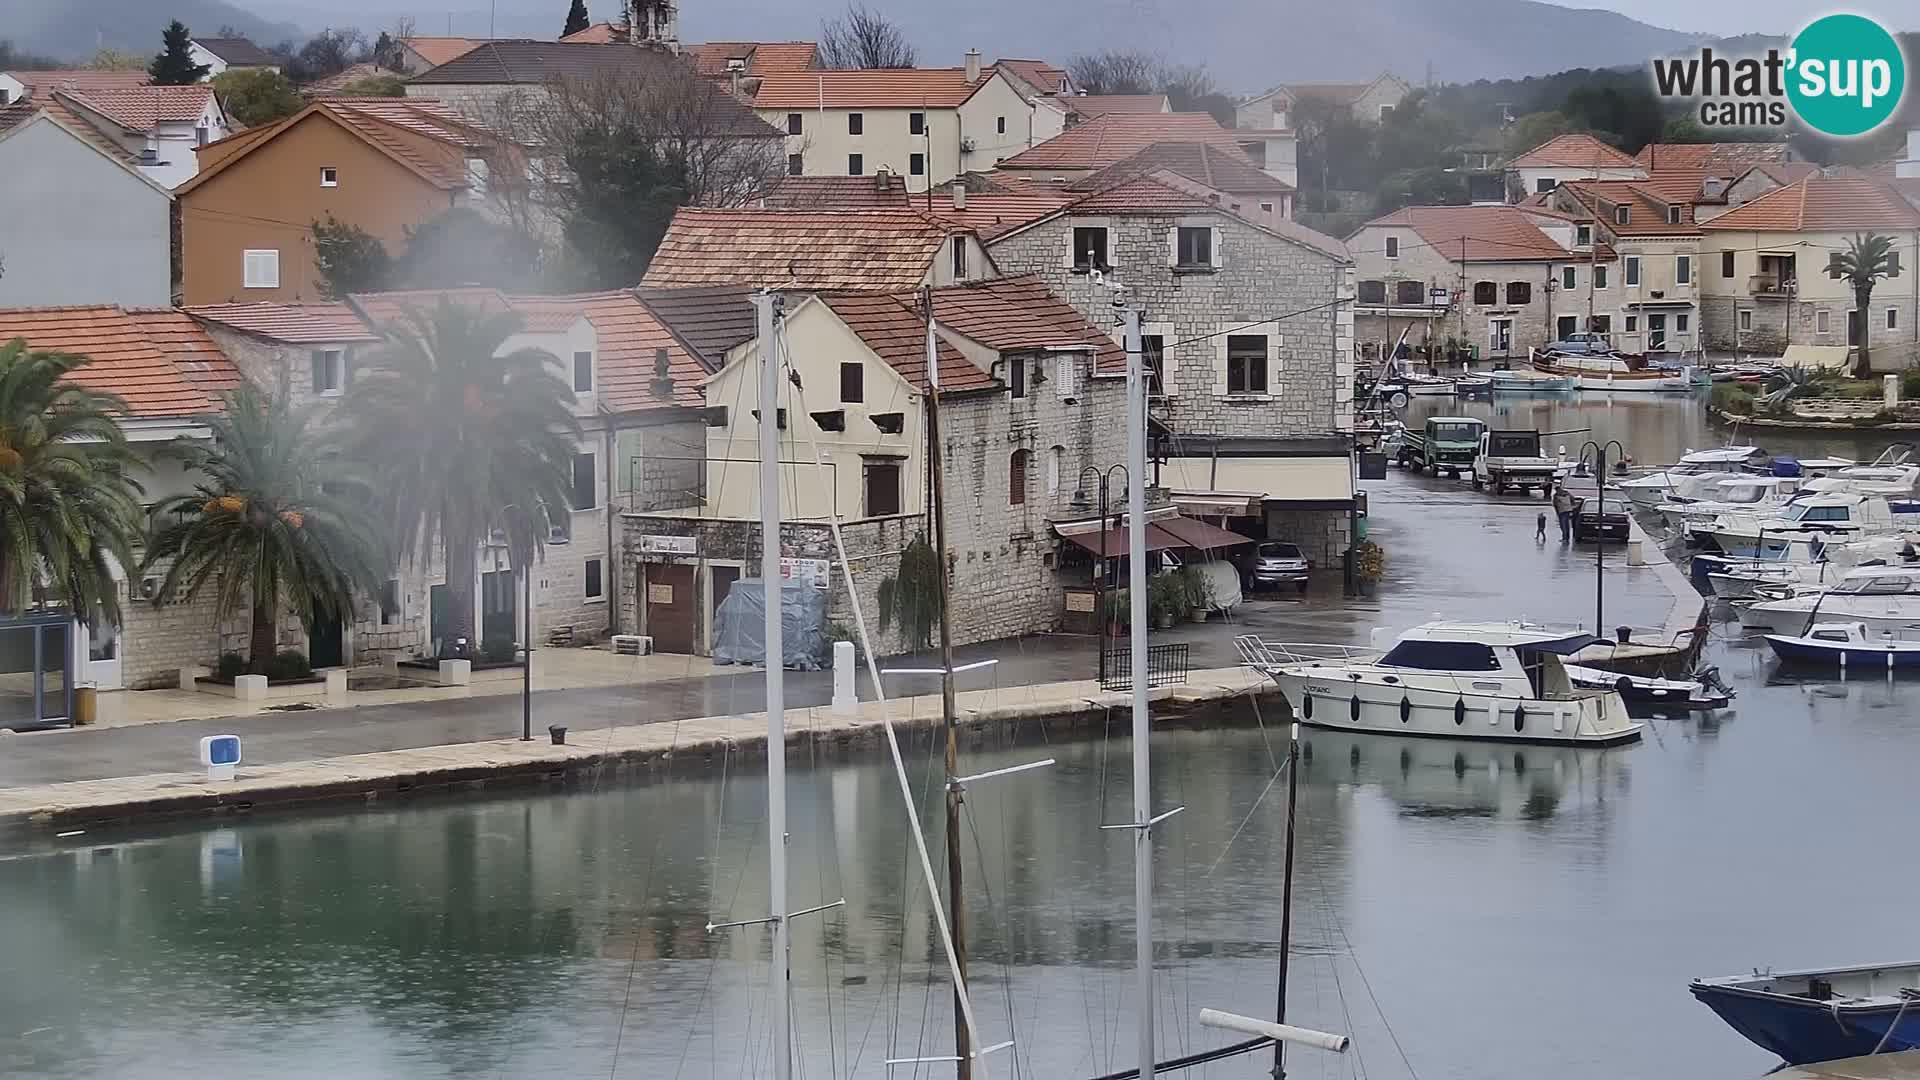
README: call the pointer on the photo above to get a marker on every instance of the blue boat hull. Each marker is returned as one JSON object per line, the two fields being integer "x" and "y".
{"x": 1833, "y": 654}
{"x": 1801, "y": 1031}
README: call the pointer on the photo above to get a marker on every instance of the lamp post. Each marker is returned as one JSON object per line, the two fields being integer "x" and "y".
{"x": 1599, "y": 467}
{"x": 1100, "y": 567}
{"x": 526, "y": 649}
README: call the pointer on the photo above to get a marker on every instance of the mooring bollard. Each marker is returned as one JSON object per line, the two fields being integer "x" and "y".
{"x": 558, "y": 733}
{"x": 845, "y": 701}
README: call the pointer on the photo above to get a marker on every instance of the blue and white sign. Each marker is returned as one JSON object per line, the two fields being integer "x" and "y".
{"x": 220, "y": 754}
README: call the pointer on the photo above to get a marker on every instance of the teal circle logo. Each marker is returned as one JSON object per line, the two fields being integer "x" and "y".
{"x": 1845, "y": 75}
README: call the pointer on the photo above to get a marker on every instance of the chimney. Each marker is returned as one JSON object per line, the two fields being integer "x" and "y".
{"x": 973, "y": 65}
{"x": 150, "y": 154}
{"x": 959, "y": 194}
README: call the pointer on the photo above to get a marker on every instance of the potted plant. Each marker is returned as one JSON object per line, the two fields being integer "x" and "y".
{"x": 1369, "y": 562}
{"x": 1199, "y": 593}
{"x": 1165, "y": 600}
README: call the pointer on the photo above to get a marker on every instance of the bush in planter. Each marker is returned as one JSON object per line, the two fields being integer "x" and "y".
{"x": 1196, "y": 591}
{"x": 230, "y": 667}
{"x": 1166, "y": 598}
{"x": 1369, "y": 561}
{"x": 288, "y": 666}
{"x": 498, "y": 650}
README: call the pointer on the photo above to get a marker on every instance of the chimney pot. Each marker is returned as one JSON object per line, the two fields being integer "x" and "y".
{"x": 959, "y": 194}
{"x": 973, "y": 65}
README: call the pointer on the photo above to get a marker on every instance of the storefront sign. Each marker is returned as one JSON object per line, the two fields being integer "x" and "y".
{"x": 659, "y": 594}
{"x": 1080, "y": 602}
{"x": 815, "y": 572}
{"x": 655, "y": 544}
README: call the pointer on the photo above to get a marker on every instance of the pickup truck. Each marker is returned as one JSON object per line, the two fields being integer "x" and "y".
{"x": 1512, "y": 459}
{"x": 1447, "y": 444}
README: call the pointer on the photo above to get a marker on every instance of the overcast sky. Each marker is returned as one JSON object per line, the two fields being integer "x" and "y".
{"x": 1730, "y": 17}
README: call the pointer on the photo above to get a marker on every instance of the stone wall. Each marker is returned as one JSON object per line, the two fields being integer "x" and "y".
{"x": 1322, "y": 534}
{"x": 662, "y": 466}
{"x": 266, "y": 363}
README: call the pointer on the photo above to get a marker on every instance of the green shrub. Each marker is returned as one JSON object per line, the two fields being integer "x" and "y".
{"x": 498, "y": 650}
{"x": 1910, "y": 386}
{"x": 1733, "y": 398}
{"x": 288, "y": 666}
{"x": 230, "y": 666}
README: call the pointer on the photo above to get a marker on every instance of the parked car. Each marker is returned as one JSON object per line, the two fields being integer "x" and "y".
{"x": 1274, "y": 563}
{"x": 1581, "y": 344}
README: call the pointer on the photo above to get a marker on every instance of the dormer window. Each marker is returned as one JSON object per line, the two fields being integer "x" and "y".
{"x": 736, "y": 63}
{"x": 1673, "y": 215}
{"x": 1623, "y": 215}
{"x": 1583, "y": 236}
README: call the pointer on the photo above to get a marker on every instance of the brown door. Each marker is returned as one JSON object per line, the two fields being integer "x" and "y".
{"x": 671, "y": 607}
{"x": 721, "y": 579}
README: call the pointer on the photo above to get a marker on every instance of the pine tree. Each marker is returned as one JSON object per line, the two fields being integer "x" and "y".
{"x": 174, "y": 65}
{"x": 577, "y": 18}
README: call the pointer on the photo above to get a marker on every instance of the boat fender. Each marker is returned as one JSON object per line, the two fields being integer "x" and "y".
{"x": 1406, "y": 709}
{"x": 1519, "y": 717}
{"x": 1622, "y": 685}
{"x": 1459, "y": 711}
{"x": 1353, "y": 707}
{"x": 1306, "y": 706}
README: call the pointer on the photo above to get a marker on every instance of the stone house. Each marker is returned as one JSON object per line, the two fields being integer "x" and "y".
{"x": 1248, "y": 329}
{"x": 807, "y": 250}
{"x": 1765, "y": 286}
{"x": 1652, "y": 231}
{"x": 1106, "y": 140}
{"x": 1573, "y": 156}
{"x": 1370, "y": 102}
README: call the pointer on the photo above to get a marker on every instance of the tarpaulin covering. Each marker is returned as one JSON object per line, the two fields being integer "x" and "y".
{"x": 740, "y": 626}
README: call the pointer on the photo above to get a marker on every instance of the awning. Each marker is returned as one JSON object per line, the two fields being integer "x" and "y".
{"x": 1115, "y": 541}
{"x": 1163, "y": 532}
{"x": 1199, "y": 534}
{"x": 1565, "y": 646}
{"x": 1207, "y": 504}
{"x": 1662, "y": 304}
{"x": 1274, "y": 479}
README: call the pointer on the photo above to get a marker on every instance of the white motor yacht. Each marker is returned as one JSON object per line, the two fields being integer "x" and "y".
{"x": 1885, "y": 599}
{"x": 1807, "y": 522}
{"x": 1731, "y": 494}
{"x": 1500, "y": 681}
{"x": 1659, "y": 486}
{"x": 1739, "y": 579}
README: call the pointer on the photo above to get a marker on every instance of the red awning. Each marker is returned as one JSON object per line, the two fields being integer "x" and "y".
{"x": 1199, "y": 534}
{"x": 1162, "y": 533}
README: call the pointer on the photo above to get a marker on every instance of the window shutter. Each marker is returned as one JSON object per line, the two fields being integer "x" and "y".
{"x": 1219, "y": 253}
{"x": 1065, "y": 371}
{"x": 346, "y": 369}
{"x": 1173, "y": 247}
{"x": 316, "y": 365}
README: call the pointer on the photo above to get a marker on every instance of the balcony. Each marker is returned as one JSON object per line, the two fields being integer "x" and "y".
{"x": 1770, "y": 287}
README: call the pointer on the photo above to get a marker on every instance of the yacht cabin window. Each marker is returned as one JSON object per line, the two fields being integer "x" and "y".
{"x": 1442, "y": 656}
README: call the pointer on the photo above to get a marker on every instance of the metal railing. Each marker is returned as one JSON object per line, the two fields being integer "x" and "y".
{"x": 1258, "y": 652}
{"x": 1166, "y": 666}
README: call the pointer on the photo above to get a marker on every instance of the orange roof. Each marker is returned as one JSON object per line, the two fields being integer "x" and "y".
{"x": 1202, "y": 163}
{"x": 1142, "y": 193}
{"x": 56, "y": 107}
{"x": 605, "y": 33}
{"x": 295, "y": 324}
{"x": 1574, "y": 150}
{"x": 142, "y": 108}
{"x": 126, "y": 361}
{"x": 630, "y": 341}
{"x": 1728, "y": 159}
{"x": 340, "y": 80}
{"x": 1476, "y": 233}
{"x": 837, "y": 192}
{"x": 1042, "y": 76}
{"x": 853, "y": 250}
{"x": 879, "y": 88}
{"x": 991, "y": 214}
{"x": 438, "y": 50}
{"x": 40, "y": 82}
{"x": 377, "y": 121}
{"x": 186, "y": 343}
{"x": 1647, "y": 209}
{"x": 1020, "y": 314}
{"x": 1823, "y": 202}
{"x": 897, "y": 333}
{"x": 1105, "y": 140}
{"x": 762, "y": 57}
{"x": 391, "y": 310}
{"x": 1091, "y": 105}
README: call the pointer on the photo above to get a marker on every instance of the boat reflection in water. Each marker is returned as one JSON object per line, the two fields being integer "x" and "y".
{"x": 1444, "y": 778}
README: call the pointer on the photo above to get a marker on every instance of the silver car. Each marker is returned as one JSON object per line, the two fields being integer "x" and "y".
{"x": 1276, "y": 564}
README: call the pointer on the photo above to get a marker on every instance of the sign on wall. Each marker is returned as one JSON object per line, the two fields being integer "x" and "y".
{"x": 815, "y": 572}
{"x": 1079, "y": 602}
{"x": 657, "y": 544}
{"x": 659, "y": 594}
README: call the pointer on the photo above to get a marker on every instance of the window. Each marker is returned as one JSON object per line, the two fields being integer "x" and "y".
{"x": 594, "y": 589}
{"x": 1601, "y": 324}
{"x": 1519, "y": 292}
{"x": 1673, "y": 215}
{"x": 1683, "y": 269}
{"x": 329, "y": 176}
{"x": 390, "y": 602}
{"x": 959, "y": 257}
{"x": 856, "y": 123}
{"x": 1055, "y": 458}
{"x": 583, "y": 373}
{"x": 881, "y": 479}
{"x": 1486, "y": 293}
{"x": 1017, "y": 377}
{"x": 1822, "y": 322}
{"x": 1432, "y": 655}
{"x": 1393, "y": 247}
{"x": 1386, "y": 111}
{"x": 1000, "y": 124}
{"x": 794, "y": 123}
{"x": 853, "y": 382}
{"x": 1680, "y": 322}
{"x": 1017, "y": 477}
{"x": 795, "y": 164}
{"x": 1726, "y": 264}
{"x": 1373, "y": 292}
{"x": 1623, "y": 215}
{"x": 1247, "y": 364}
{"x": 856, "y": 165}
{"x": 1153, "y": 357}
{"x": 260, "y": 269}
{"x": 1569, "y": 277}
{"x": 1893, "y": 264}
{"x": 1089, "y": 247}
{"x": 1633, "y": 324}
{"x": 1543, "y": 185}
{"x": 1583, "y": 235}
{"x": 1409, "y": 292}
{"x": 916, "y": 124}
{"x": 1266, "y": 208}
{"x": 1746, "y": 319}
{"x": 917, "y": 164}
{"x": 1194, "y": 246}
{"x": 1893, "y": 318}
{"x": 1599, "y": 276}
{"x": 1633, "y": 271}
{"x": 583, "y": 482}
{"x": 329, "y": 372}
{"x": 1567, "y": 326}
{"x": 201, "y": 135}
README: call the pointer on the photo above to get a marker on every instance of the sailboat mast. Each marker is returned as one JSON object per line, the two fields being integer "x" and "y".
{"x": 1286, "y": 902}
{"x": 1142, "y": 767}
{"x": 766, "y": 304}
{"x": 956, "y": 898}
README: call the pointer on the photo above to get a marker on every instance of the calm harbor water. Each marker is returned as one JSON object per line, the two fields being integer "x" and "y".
{"x": 1464, "y": 911}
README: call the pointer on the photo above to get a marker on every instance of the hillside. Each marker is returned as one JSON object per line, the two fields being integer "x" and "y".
{"x": 76, "y": 29}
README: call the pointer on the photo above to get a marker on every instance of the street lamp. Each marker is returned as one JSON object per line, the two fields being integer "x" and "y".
{"x": 1100, "y": 568}
{"x": 526, "y": 646}
{"x": 1600, "y": 474}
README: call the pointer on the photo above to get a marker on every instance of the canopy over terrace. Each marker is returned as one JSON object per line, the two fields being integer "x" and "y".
{"x": 1166, "y": 528}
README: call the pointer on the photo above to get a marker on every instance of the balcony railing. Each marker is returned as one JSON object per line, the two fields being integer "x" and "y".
{"x": 1769, "y": 285}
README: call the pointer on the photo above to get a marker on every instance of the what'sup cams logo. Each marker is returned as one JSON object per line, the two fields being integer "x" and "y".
{"x": 1842, "y": 75}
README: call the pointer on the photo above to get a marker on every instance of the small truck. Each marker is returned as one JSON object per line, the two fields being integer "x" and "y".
{"x": 1446, "y": 444}
{"x": 1511, "y": 460}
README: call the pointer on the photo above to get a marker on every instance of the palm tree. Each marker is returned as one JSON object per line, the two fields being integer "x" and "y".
{"x": 470, "y": 441}
{"x": 1868, "y": 258}
{"x": 279, "y": 516}
{"x": 69, "y": 508}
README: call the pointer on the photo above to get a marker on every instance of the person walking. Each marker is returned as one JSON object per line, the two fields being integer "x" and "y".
{"x": 1563, "y": 507}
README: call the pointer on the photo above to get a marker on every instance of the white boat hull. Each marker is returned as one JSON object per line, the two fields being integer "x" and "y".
{"x": 1665, "y": 384}
{"x": 1790, "y": 616}
{"x": 1446, "y": 706}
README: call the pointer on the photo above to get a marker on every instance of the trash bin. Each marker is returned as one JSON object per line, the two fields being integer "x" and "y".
{"x": 86, "y": 705}
{"x": 558, "y": 733}
{"x": 1625, "y": 634}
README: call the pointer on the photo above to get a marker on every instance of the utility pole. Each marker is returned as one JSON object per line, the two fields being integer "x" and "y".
{"x": 1142, "y": 728}
{"x": 777, "y": 989}
{"x": 956, "y": 898}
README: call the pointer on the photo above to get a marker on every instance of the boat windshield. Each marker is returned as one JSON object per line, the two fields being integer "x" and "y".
{"x": 1442, "y": 656}
{"x": 1456, "y": 432}
{"x": 1810, "y": 512}
{"x": 1873, "y": 586}
{"x": 1742, "y": 493}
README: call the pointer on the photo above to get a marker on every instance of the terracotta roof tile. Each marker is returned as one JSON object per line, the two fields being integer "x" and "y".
{"x": 1020, "y": 314}
{"x": 1143, "y": 193}
{"x": 446, "y": 171}
{"x": 1106, "y": 140}
{"x": 1091, "y": 105}
{"x": 1647, "y": 209}
{"x": 440, "y": 50}
{"x": 1476, "y": 233}
{"x": 126, "y": 361}
{"x": 424, "y": 116}
{"x": 142, "y": 108}
{"x": 1203, "y": 163}
{"x": 186, "y": 343}
{"x": 879, "y": 88}
{"x": 629, "y": 339}
{"x": 1824, "y": 202}
{"x": 40, "y": 82}
{"x": 1729, "y": 158}
{"x": 796, "y": 249}
{"x": 992, "y": 214}
{"x": 295, "y": 324}
{"x": 604, "y": 33}
{"x": 763, "y": 57}
{"x": 898, "y": 334}
{"x": 55, "y": 107}
{"x": 709, "y": 321}
{"x": 1574, "y": 150}
{"x": 1786, "y": 172}
{"x": 1040, "y": 74}
{"x": 885, "y": 190}
{"x": 389, "y": 311}
{"x": 340, "y": 80}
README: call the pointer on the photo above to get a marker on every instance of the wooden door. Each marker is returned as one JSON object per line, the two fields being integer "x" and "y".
{"x": 671, "y": 607}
